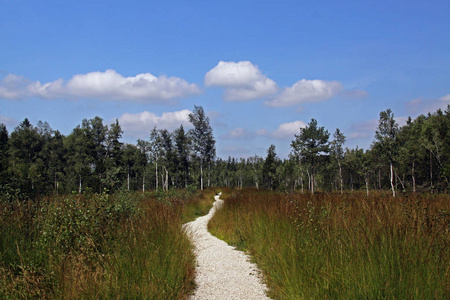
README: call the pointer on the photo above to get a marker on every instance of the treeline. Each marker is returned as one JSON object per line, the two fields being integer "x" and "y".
{"x": 414, "y": 157}
{"x": 39, "y": 160}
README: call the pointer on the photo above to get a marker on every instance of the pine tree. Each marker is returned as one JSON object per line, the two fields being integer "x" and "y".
{"x": 309, "y": 145}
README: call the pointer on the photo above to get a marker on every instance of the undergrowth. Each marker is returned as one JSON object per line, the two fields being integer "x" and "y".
{"x": 342, "y": 246}
{"x": 124, "y": 245}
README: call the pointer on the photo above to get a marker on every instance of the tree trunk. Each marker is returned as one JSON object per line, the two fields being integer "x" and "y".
{"x": 413, "y": 177}
{"x": 379, "y": 178}
{"x": 156, "y": 173}
{"x": 143, "y": 183}
{"x": 302, "y": 180}
{"x": 367, "y": 185}
{"x": 79, "y": 189}
{"x": 128, "y": 180}
{"x": 201, "y": 176}
{"x": 392, "y": 178}
{"x": 401, "y": 181}
{"x": 209, "y": 174}
{"x": 340, "y": 177}
{"x": 167, "y": 179}
{"x": 431, "y": 173}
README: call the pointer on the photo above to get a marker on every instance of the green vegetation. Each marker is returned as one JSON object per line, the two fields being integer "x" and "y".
{"x": 342, "y": 246}
{"x": 98, "y": 245}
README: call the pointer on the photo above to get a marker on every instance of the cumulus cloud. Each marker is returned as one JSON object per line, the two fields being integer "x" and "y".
{"x": 108, "y": 85}
{"x": 237, "y": 133}
{"x": 424, "y": 106}
{"x": 284, "y": 131}
{"x": 10, "y": 122}
{"x": 139, "y": 125}
{"x": 445, "y": 98}
{"x": 242, "y": 81}
{"x": 14, "y": 87}
{"x": 306, "y": 91}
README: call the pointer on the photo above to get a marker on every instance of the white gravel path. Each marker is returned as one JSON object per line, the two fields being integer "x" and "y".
{"x": 222, "y": 271}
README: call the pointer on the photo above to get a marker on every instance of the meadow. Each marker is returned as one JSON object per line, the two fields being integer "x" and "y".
{"x": 342, "y": 246}
{"x": 123, "y": 245}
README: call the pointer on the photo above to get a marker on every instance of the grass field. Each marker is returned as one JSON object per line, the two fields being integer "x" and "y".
{"x": 126, "y": 245}
{"x": 342, "y": 246}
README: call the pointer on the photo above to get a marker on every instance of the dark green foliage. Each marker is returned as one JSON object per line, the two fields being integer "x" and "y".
{"x": 269, "y": 169}
{"x": 204, "y": 144}
{"x": 310, "y": 144}
{"x": 4, "y": 155}
{"x": 37, "y": 160}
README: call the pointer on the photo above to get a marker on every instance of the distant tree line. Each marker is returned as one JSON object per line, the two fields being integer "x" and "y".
{"x": 37, "y": 160}
{"x": 414, "y": 157}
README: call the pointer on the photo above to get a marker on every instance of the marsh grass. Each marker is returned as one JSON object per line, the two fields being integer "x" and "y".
{"x": 126, "y": 245}
{"x": 342, "y": 246}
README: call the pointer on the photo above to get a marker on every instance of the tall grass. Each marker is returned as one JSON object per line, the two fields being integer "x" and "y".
{"x": 342, "y": 246}
{"x": 97, "y": 246}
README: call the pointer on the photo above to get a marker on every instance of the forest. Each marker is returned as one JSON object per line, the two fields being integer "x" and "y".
{"x": 38, "y": 160}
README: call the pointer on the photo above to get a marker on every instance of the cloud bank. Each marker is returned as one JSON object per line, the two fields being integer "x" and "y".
{"x": 284, "y": 131}
{"x": 139, "y": 125}
{"x": 306, "y": 91}
{"x": 242, "y": 81}
{"x": 237, "y": 133}
{"x": 108, "y": 85}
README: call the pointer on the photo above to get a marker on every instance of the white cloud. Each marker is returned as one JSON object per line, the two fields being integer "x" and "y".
{"x": 242, "y": 81}
{"x": 237, "y": 133}
{"x": 108, "y": 85}
{"x": 306, "y": 91}
{"x": 401, "y": 121}
{"x": 9, "y": 122}
{"x": 139, "y": 125}
{"x": 14, "y": 87}
{"x": 425, "y": 106}
{"x": 284, "y": 131}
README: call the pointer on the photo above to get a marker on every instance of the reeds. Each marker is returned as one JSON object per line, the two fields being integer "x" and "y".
{"x": 98, "y": 246}
{"x": 343, "y": 246}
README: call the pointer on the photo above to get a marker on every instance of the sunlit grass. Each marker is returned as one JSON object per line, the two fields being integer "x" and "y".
{"x": 99, "y": 246}
{"x": 342, "y": 246}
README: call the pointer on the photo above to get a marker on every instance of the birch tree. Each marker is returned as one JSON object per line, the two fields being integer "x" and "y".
{"x": 203, "y": 140}
{"x": 337, "y": 151}
{"x": 386, "y": 140}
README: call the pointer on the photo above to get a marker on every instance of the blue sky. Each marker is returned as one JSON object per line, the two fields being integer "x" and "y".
{"x": 260, "y": 69}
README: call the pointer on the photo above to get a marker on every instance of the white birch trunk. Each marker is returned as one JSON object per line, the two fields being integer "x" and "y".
{"x": 201, "y": 176}
{"x": 392, "y": 179}
{"x": 156, "y": 175}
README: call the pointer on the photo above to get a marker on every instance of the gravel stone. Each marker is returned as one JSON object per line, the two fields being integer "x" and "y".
{"x": 222, "y": 272}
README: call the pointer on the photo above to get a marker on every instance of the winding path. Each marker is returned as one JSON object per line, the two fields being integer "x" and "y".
{"x": 222, "y": 271}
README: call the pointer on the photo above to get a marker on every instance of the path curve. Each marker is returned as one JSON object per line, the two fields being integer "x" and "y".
{"x": 222, "y": 271}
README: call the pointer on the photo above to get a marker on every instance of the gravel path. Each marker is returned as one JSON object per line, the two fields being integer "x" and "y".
{"x": 222, "y": 271}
